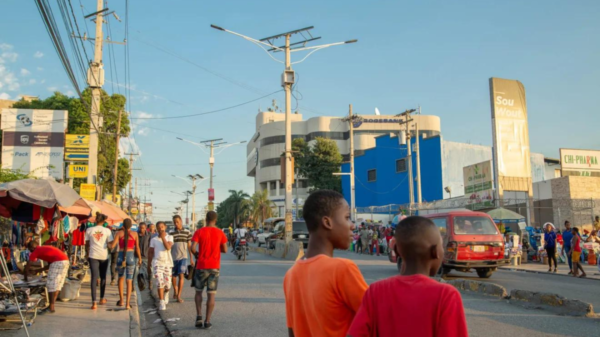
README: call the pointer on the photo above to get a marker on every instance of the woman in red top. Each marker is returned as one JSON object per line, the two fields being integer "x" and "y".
{"x": 128, "y": 244}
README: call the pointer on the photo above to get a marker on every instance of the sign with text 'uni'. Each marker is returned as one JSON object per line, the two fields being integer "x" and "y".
{"x": 78, "y": 171}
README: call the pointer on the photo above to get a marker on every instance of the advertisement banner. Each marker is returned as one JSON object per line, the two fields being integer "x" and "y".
{"x": 479, "y": 184}
{"x": 87, "y": 191}
{"x": 110, "y": 198}
{"x": 211, "y": 194}
{"x": 33, "y": 141}
{"x": 77, "y": 141}
{"x": 78, "y": 171}
{"x": 511, "y": 134}
{"x": 575, "y": 162}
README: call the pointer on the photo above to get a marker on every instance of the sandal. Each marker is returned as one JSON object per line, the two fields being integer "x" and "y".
{"x": 94, "y": 306}
{"x": 582, "y": 276}
{"x": 102, "y": 301}
{"x": 180, "y": 300}
{"x": 119, "y": 304}
{"x": 199, "y": 322}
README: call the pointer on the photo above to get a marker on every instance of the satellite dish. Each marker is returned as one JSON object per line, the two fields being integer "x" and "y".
{"x": 377, "y": 112}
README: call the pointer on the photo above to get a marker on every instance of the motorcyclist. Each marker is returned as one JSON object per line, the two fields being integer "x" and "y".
{"x": 239, "y": 233}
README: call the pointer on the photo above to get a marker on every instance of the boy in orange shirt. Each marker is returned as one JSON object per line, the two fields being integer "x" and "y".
{"x": 412, "y": 304}
{"x": 322, "y": 293}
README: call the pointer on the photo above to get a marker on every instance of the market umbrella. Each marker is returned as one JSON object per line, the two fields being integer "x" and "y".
{"x": 42, "y": 192}
{"x": 505, "y": 215}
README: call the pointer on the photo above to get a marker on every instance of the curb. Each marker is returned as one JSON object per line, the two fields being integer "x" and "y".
{"x": 260, "y": 250}
{"x": 542, "y": 272}
{"x": 135, "y": 329}
{"x": 552, "y": 302}
{"x": 484, "y": 288}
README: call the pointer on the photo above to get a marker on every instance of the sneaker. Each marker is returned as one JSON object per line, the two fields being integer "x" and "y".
{"x": 207, "y": 325}
{"x": 199, "y": 322}
{"x": 166, "y": 296}
{"x": 162, "y": 306}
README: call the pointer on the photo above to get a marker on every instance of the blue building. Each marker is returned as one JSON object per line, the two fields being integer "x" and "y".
{"x": 382, "y": 172}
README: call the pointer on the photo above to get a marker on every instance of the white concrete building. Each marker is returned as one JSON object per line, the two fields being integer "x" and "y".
{"x": 267, "y": 144}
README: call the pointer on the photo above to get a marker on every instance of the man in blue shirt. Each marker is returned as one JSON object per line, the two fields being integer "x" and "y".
{"x": 567, "y": 236}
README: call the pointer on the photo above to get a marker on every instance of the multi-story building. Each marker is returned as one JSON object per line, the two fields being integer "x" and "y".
{"x": 266, "y": 146}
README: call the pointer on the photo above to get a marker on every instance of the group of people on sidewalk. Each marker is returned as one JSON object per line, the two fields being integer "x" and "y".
{"x": 571, "y": 246}
{"x": 372, "y": 239}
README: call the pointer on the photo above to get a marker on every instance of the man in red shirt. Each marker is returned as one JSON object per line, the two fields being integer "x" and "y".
{"x": 58, "y": 266}
{"x": 412, "y": 304}
{"x": 208, "y": 243}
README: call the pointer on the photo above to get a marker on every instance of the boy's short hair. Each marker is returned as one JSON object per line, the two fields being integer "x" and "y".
{"x": 177, "y": 217}
{"x": 211, "y": 216}
{"x": 319, "y": 204}
{"x": 410, "y": 232}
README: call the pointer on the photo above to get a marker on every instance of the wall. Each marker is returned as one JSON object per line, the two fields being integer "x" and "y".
{"x": 455, "y": 157}
{"x": 391, "y": 187}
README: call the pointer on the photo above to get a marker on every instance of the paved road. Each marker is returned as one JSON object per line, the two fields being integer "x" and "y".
{"x": 250, "y": 302}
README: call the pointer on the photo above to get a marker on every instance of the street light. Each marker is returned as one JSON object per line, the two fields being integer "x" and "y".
{"x": 212, "y": 144}
{"x": 352, "y": 200}
{"x": 193, "y": 178}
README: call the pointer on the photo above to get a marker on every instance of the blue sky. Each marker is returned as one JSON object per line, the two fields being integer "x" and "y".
{"x": 438, "y": 54}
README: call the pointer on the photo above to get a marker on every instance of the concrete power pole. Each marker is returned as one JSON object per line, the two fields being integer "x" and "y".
{"x": 418, "y": 162}
{"x": 131, "y": 169}
{"x": 288, "y": 80}
{"x": 351, "y": 119}
{"x": 116, "y": 171}
{"x": 411, "y": 187}
{"x": 95, "y": 81}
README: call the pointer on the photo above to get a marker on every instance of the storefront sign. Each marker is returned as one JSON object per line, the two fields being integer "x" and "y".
{"x": 580, "y": 162}
{"x": 479, "y": 184}
{"x": 78, "y": 171}
{"x": 77, "y": 141}
{"x": 87, "y": 191}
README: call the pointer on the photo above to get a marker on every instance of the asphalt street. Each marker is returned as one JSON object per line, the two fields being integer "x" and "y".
{"x": 250, "y": 302}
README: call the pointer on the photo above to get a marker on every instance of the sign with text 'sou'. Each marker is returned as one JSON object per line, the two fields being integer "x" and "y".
{"x": 580, "y": 162}
{"x": 33, "y": 141}
{"x": 511, "y": 135}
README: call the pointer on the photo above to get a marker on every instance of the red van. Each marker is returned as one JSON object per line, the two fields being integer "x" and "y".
{"x": 471, "y": 241}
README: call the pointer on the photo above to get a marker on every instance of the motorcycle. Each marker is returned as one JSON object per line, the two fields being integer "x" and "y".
{"x": 241, "y": 251}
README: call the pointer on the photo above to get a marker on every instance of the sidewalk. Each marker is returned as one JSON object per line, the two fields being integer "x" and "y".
{"x": 563, "y": 269}
{"x": 75, "y": 318}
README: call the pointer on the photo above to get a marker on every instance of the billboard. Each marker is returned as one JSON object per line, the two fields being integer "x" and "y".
{"x": 575, "y": 162}
{"x": 78, "y": 171}
{"x": 511, "y": 135}
{"x": 479, "y": 184}
{"x": 33, "y": 141}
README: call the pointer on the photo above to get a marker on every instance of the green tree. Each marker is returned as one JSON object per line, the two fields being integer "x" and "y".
{"x": 7, "y": 175}
{"x": 238, "y": 203}
{"x": 318, "y": 162}
{"x": 261, "y": 207}
{"x": 79, "y": 123}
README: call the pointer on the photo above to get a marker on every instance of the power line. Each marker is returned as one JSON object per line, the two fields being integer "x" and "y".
{"x": 213, "y": 111}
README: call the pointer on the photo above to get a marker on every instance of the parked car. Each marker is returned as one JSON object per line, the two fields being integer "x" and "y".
{"x": 471, "y": 241}
{"x": 268, "y": 238}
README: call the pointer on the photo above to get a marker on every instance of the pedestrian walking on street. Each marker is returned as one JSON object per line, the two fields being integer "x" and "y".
{"x": 180, "y": 251}
{"x": 58, "y": 267}
{"x": 323, "y": 293}
{"x": 129, "y": 248}
{"x": 145, "y": 237}
{"x": 576, "y": 254}
{"x": 97, "y": 239}
{"x": 364, "y": 236}
{"x": 567, "y": 235}
{"x": 413, "y": 304}
{"x": 160, "y": 259}
{"x": 207, "y": 243}
{"x": 375, "y": 241}
{"x": 550, "y": 245}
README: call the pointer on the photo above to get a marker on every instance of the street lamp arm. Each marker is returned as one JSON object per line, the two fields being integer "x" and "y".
{"x": 316, "y": 48}
{"x": 246, "y": 37}
{"x": 223, "y": 147}
{"x": 201, "y": 146}
{"x": 182, "y": 178}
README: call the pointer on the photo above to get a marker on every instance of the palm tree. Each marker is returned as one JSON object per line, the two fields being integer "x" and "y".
{"x": 261, "y": 206}
{"x": 238, "y": 202}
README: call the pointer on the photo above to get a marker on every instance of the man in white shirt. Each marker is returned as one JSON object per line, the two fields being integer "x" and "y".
{"x": 239, "y": 233}
{"x": 159, "y": 257}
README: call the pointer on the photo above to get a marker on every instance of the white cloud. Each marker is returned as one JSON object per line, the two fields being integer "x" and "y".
{"x": 8, "y": 56}
{"x": 32, "y": 81}
{"x": 70, "y": 93}
{"x": 4, "y": 95}
{"x": 127, "y": 145}
{"x": 5, "y": 47}
{"x": 52, "y": 89}
{"x": 40, "y": 68}
{"x": 143, "y": 131}
{"x": 8, "y": 79}
{"x": 43, "y": 81}
{"x": 38, "y": 55}
{"x": 25, "y": 72}
{"x": 142, "y": 114}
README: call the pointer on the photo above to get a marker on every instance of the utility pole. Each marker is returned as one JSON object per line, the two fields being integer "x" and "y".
{"x": 131, "y": 169}
{"x": 406, "y": 122}
{"x": 288, "y": 79}
{"x": 116, "y": 171}
{"x": 95, "y": 81}
{"x": 351, "y": 119}
{"x": 418, "y": 161}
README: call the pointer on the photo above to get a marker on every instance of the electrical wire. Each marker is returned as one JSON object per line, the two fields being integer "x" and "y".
{"x": 209, "y": 112}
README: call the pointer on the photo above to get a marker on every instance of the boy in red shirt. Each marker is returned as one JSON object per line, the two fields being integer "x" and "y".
{"x": 208, "y": 243}
{"x": 412, "y": 304}
{"x": 323, "y": 293}
{"x": 58, "y": 267}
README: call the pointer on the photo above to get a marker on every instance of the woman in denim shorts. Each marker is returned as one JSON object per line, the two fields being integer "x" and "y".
{"x": 128, "y": 245}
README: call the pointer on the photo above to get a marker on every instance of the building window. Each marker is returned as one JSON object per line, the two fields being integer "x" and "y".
{"x": 400, "y": 165}
{"x": 371, "y": 175}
